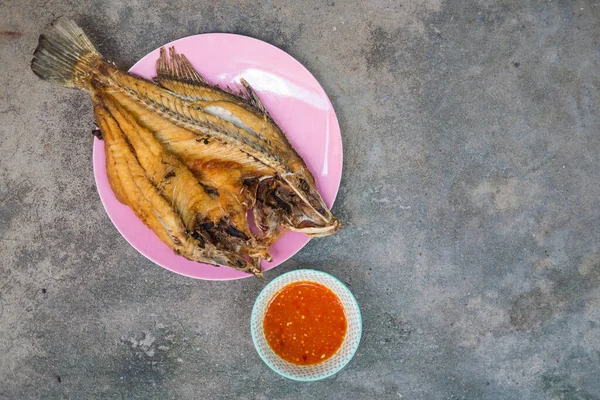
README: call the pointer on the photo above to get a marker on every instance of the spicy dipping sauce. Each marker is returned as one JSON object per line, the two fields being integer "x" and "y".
{"x": 305, "y": 323}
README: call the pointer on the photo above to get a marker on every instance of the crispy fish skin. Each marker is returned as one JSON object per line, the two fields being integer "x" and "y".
{"x": 246, "y": 111}
{"x": 153, "y": 209}
{"x": 213, "y": 164}
{"x": 187, "y": 144}
{"x": 167, "y": 173}
{"x": 185, "y": 115}
{"x": 188, "y": 116}
{"x": 200, "y": 206}
{"x": 66, "y": 56}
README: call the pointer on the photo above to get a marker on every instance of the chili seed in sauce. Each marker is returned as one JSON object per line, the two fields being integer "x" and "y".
{"x": 306, "y": 310}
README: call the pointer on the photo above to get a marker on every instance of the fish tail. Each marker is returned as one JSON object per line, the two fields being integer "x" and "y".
{"x": 64, "y": 55}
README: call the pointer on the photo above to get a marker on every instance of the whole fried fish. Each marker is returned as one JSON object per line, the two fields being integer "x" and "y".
{"x": 189, "y": 158}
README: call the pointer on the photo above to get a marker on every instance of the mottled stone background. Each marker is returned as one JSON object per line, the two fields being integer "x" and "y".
{"x": 470, "y": 201}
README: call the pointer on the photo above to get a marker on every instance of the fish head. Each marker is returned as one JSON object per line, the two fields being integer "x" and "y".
{"x": 303, "y": 208}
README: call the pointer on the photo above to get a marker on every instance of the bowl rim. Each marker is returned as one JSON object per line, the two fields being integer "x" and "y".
{"x": 254, "y": 313}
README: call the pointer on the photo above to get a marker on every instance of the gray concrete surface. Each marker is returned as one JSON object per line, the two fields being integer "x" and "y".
{"x": 470, "y": 198}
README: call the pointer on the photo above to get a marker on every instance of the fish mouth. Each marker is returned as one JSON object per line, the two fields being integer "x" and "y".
{"x": 311, "y": 218}
{"x": 313, "y": 230}
{"x": 318, "y": 231}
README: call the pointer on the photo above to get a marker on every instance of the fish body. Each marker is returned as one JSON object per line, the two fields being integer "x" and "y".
{"x": 189, "y": 158}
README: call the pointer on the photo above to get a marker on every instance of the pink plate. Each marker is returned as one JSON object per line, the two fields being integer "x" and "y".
{"x": 295, "y": 100}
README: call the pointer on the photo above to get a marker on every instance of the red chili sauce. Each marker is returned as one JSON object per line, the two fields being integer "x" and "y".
{"x": 305, "y": 323}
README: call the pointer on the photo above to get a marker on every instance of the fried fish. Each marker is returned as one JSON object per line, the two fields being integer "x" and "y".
{"x": 190, "y": 159}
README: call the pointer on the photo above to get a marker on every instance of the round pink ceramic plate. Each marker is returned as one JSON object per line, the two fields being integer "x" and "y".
{"x": 294, "y": 99}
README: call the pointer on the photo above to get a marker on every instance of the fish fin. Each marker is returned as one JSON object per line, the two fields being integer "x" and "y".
{"x": 177, "y": 67}
{"x": 61, "y": 48}
{"x": 251, "y": 96}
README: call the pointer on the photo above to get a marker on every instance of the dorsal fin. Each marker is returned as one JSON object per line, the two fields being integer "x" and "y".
{"x": 252, "y": 97}
{"x": 177, "y": 67}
